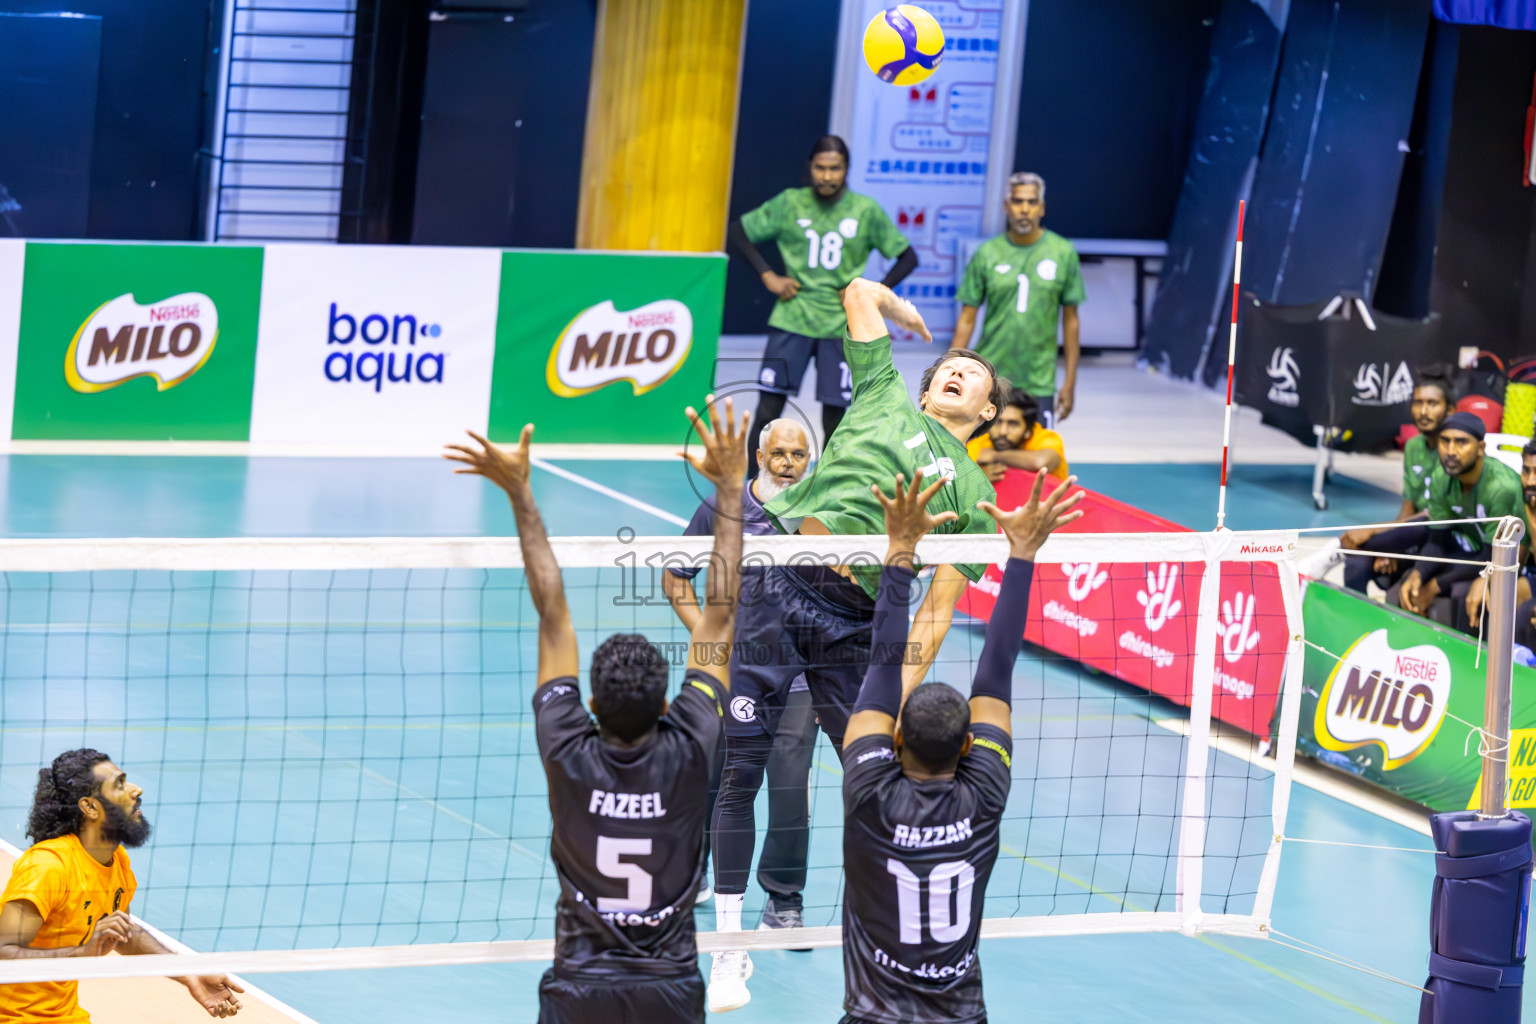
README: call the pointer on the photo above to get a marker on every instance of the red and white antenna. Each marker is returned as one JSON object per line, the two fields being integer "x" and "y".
{"x": 1226, "y": 429}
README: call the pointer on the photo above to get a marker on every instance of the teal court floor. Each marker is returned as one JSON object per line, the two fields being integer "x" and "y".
{"x": 322, "y": 769}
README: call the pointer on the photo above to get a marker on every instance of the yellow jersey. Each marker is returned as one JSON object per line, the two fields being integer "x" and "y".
{"x": 71, "y": 890}
{"x": 1040, "y": 439}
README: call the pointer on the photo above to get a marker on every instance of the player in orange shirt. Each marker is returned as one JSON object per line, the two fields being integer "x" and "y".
{"x": 69, "y": 892}
{"x": 1018, "y": 441}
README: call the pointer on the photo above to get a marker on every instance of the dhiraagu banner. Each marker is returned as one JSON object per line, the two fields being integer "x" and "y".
{"x": 137, "y": 342}
{"x": 594, "y": 347}
{"x": 1396, "y": 700}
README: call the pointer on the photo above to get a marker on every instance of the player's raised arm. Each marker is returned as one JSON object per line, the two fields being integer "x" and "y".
{"x": 906, "y": 520}
{"x": 724, "y": 464}
{"x": 1026, "y": 527}
{"x": 870, "y": 304}
{"x": 508, "y": 469}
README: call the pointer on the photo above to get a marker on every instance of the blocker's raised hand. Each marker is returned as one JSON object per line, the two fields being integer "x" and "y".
{"x": 1031, "y": 523}
{"x": 507, "y": 468}
{"x": 724, "y": 461}
{"x": 906, "y": 515}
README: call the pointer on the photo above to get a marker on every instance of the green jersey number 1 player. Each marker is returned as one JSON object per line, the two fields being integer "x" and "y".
{"x": 825, "y": 234}
{"x": 1028, "y": 278}
{"x": 925, "y": 783}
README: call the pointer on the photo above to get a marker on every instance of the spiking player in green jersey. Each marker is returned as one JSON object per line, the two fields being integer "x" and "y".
{"x": 1028, "y": 278}
{"x": 825, "y": 234}
{"x": 818, "y": 619}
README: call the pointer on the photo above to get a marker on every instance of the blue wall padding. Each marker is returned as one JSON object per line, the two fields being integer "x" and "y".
{"x": 1328, "y": 175}
{"x": 1518, "y": 14}
{"x": 1478, "y": 917}
{"x": 1192, "y": 307}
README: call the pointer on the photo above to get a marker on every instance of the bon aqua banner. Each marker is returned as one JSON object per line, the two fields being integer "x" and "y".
{"x": 1396, "y": 700}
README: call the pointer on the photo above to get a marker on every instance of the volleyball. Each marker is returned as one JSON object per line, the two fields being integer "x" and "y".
{"x": 903, "y": 45}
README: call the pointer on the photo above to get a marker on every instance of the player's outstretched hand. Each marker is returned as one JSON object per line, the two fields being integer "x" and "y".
{"x": 861, "y": 293}
{"x": 507, "y": 468}
{"x": 906, "y": 515}
{"x": 1031, "y": 523}
{"x": 107, "y": 934}
{"x": 215, "y": 993}
{"x": 724, "y": 460}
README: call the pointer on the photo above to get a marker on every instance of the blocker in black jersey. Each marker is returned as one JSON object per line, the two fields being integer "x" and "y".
{"x": 917, "y": 856}
{"x": 628, "y": 833}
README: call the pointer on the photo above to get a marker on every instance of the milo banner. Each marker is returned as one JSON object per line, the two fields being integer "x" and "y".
{"x": 593, "y": 346}
{"x": 137, "y": 342}
{"x": 1396, "y": 699}
{"x": 296, "y": 345}
{"x": 1136, "y": 622}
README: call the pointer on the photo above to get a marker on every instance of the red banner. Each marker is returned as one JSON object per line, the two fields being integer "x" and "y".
{"x": 1136, "y": 621}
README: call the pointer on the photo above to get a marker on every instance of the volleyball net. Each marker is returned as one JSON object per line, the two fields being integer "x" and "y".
{"x": 335, "y": 738}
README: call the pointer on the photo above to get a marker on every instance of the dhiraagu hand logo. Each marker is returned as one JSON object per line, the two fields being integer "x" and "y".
{"x": 603, "y": 346}
{"x": 168, "y": 340}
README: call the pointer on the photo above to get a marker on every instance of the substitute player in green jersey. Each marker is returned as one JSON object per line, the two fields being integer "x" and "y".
{"x": 825, "y": 234}
{"x": 1433, "y": 400}
{"x": 1029, "y": 279}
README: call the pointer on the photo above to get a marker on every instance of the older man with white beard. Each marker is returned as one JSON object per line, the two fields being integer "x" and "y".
{"x": 783, "y": 454}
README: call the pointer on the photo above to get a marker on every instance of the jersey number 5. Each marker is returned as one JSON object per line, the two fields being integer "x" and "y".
{"x": 952, "y": 879}
{"x": 828, "y": 248}
{"x": 638, "y": 898}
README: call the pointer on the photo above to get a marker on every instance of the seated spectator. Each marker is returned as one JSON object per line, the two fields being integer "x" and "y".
{"x": 1433, "y": 400}
{"x": 1525, "y": 618}
{"x": 1017, "y": 440}
{"x": 1466, "y": 485}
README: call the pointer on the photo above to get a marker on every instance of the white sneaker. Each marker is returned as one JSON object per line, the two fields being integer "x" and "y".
{"x": 728, "y": 974}
{"x": 705, "y": 895}
{"x": 1316, "y": 564}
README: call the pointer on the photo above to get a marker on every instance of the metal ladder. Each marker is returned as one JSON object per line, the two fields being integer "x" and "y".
{"x": 281, "y": 121}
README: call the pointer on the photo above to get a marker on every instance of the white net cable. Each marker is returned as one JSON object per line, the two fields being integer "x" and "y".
{"x": 335, "y": 734}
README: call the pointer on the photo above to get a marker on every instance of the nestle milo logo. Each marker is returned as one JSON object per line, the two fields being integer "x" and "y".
{"x": 1378, "y": 694}
{"x": 122, "y": 339}
{"x": 603, "y": 346}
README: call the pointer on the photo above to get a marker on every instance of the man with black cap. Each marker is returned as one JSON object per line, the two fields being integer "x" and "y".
{"x": 1467, "y": 485}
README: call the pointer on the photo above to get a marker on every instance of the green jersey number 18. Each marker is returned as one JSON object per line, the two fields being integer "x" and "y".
{"x": 828, "y": 247}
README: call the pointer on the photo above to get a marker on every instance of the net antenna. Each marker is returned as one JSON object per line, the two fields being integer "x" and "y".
{"x": 1493, "y": 798}
{"x": 1226, "y": 427}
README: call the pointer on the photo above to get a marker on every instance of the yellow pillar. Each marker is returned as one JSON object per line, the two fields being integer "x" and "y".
{"x": 661, "y": 124}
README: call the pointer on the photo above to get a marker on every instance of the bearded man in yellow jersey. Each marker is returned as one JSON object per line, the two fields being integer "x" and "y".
{"x": 69, "y": 892}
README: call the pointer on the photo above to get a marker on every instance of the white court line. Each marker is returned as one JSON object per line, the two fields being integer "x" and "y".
{"x": 1323, "y": 780}
{"x": 593, "y": 485}
{"x": 176, "y": 946}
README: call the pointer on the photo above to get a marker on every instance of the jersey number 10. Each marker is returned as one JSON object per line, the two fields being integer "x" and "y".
{"x": 828, "y": 247}
{"x": 951, "y": 879}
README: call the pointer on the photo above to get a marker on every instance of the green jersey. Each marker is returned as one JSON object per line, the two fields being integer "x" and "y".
{"x": 884, "y": 433}
{"x": 1496, "y": 493}
{"x": 1023, "y": 288}
{"x": 1419, "y": 464}
{"x": 824, "y": 246}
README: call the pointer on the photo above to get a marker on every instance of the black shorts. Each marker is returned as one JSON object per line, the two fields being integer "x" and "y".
{"x": 626, "y": 1000}
{"x": 1047, "y": 410}
{"x": 786, "y": 357}
{"x": 787, "y": 626}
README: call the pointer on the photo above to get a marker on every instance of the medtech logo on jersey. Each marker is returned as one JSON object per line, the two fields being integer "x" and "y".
{"x": 122, "y": 339}
{"x": 604, "y": 346}
{"x": 1387, "y": 697}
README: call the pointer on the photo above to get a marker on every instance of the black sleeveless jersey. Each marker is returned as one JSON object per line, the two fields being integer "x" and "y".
{"x": 917, "y": 856}
{"x": 628, "y": 832}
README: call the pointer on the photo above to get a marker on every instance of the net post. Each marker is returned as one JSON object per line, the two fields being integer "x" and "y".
{"x": 1501, "y": 638}
{"x": 1191, "y": 866}
{"x": 1285, "y": 737}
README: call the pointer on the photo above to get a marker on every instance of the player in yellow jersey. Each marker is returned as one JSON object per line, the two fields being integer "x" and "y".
{"x": 69, "y": 892}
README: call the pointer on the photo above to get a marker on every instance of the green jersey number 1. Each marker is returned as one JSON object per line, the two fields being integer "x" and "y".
{"x": 828, "y": 247}
{"x": 1022, "y": 304}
